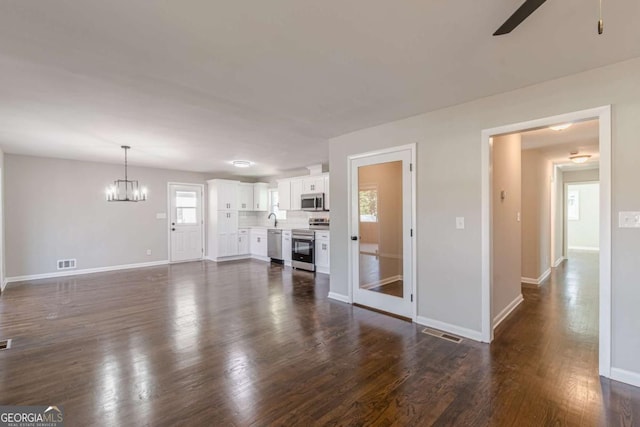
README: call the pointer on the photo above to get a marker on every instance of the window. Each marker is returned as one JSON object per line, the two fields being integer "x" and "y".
{"x": 273, "y": 205}
{"x": 573, "y": 205}
{"x": 186, "y": 206}
{"x": 368, "y": 199}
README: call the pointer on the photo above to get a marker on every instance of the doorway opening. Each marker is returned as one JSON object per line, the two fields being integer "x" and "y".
{"x": 186, "y": 223}
{"x": 501, "y": 204}
{"x": 382, "y": 229}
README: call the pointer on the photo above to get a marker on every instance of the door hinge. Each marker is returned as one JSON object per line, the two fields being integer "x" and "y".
{"x": 411, "y": 232}
{"x": 410, "y": 167}
{"x": 411, "y": 297}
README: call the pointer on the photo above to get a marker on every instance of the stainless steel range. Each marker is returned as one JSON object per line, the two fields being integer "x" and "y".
{"x": 303, "y": 244}
{"x": 302, "y": 249}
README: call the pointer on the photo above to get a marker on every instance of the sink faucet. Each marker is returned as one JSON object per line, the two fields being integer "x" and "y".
{"x": 275, "y": 219}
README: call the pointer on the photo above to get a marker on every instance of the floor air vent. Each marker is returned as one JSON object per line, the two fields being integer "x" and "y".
{"x": 5, "y": 344}
{"x": 443, "y": 335}
{"x": 66, "y": 264}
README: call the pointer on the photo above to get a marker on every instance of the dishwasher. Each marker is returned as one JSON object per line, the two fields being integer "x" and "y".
{"x": 274, "y": 245}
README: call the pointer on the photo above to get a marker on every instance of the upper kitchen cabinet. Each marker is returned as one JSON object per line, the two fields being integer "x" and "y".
{"x": 327, "y": 197}
{"x": 223, "y": 194}
{"x": 284, "y": 195}
{"x": 245, "y": 196}
{"x": 261, "y": 196}
{"x": 313, "y": 184}
{"x": 297, "y": 190}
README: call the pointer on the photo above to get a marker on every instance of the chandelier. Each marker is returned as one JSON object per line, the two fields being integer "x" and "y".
{"x": 125, "y": 190}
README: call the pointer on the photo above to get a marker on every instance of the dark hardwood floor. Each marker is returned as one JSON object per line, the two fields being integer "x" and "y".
{"x": 246, "y": 343}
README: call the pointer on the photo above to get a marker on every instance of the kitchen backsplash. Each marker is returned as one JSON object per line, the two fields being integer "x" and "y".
{"x": 295, "y": 219}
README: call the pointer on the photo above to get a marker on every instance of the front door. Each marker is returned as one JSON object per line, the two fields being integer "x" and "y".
{"x": 185, "y": 222}
{"x": 381, "y": 228}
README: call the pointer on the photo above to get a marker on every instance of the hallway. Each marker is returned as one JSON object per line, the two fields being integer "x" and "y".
{"x": 553, "y": 336}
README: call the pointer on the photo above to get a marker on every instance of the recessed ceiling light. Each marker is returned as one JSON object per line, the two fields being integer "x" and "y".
{"x": 241, "y": 163}
{"x": 561, "y": 127}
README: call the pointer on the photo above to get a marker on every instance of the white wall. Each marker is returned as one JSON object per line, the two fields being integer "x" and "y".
{"x": 558, "y": 216}
{"x": 2, "y": 253}
{"x": 56, "y": 209}
{"x": 449, "y": 185}
{"x": 536, "y": 214}
{"x": 584, "y": 233}
{"x": 506, "y": 228}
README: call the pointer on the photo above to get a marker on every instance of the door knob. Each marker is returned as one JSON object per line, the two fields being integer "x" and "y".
{"x": 354, "y": 237}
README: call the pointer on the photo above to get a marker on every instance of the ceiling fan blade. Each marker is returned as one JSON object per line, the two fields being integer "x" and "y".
{"x": 527, "y": 8}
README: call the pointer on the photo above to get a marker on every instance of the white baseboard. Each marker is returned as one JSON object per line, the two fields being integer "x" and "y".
{"x": 84, "y": 271}
{"x": 382, "y": 282}
{"x": 228, "y": 258}
{"x": 537, "y": 281}
{"x": 261, "y": 258}
{"x": 507, "y": 311}
{"x": 624, "y": 376}
{"x": 3, "y": 285}
{"x": 452, "y": 329}
{"x": 339, "y": 297}
{"x": 558, "y": 262}
{"x": 323, "y": 270}
{"x": 583, "y": 249}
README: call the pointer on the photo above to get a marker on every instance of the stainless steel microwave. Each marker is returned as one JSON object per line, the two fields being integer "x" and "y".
{"x": 312, "y": 202}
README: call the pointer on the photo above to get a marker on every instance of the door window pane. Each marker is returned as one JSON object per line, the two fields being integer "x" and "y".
{"x": 380, "y": 228}
{"x": 186, "y": 207}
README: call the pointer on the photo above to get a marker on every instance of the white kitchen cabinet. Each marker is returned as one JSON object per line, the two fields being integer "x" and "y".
{"x": 222, "y": 219}
{"x": 322, "y": 250}
{"x": 286, "y": 247}
{"x": 227, "y": 233}
{"x": 226, "y": 196}
{"x": 296, "y": 192}
{"x": 327, "y": 196}
{"x": 313, "y": 184}
{"x": 284, "y": 194}
{"x": 245, "y": 196}
{"x": 258, "y": 244}
{"x": 261, "y": 196}
{"x": 243, "y": 241}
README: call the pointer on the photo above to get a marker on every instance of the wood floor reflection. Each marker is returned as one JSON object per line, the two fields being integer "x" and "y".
{"x": 248, "y": 343}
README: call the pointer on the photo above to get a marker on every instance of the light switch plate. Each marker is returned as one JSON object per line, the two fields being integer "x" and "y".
{"x": 460, "y": 223}
{"x": 161, "y": 215}
{"x": 629, "y": 220}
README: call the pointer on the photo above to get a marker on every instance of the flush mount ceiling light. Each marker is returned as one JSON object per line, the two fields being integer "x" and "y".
{"x": 125, "y": 190}
{"x": 578, "y": 158}
{"x": 561, "y": 127}
{"x": 241, "y": 163}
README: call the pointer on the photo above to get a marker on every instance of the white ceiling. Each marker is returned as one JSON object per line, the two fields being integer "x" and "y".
{"x": 581, "y": 137}
{"x": 193, "y": 84}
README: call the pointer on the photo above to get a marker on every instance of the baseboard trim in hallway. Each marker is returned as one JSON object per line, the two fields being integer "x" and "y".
{"x": 85, "y": 271}
{"x": 452, "y": 329}
{"x": 544, "y": 276}
{"x": 625, "y": 376}
{"x": 339, "y": 297}
{"x": 507, "y": 311}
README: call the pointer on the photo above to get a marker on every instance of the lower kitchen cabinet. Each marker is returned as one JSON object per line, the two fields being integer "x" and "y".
{"x": 243, "y": 241}
{"x": 258, "y": 245}
{"x": 286, "y": 247}
{"x": 322, "y": 252}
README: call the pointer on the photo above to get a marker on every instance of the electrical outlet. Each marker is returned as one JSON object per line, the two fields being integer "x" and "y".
{"x": 148, "y": 251}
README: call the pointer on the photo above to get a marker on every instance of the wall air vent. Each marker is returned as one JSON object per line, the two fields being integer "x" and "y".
{"x": 66, "y": 264}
